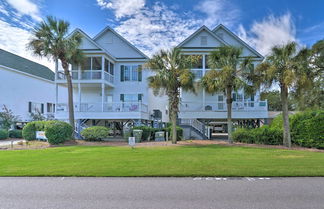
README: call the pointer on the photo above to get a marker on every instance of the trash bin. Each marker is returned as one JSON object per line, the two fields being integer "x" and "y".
{"x": 159, "y": 136}
{"x": 138, "y": 135}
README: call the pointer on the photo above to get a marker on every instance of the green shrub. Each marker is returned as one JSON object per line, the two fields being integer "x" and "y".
{"x": 15, "y": 134}
{"x": 263, "y": 135}
{"x": 179, "y": 132}
{"x": 4, "y": 134}
{"x": 29, "y": 130}
{"x": 95, "y": 133}
{"x": 58, "y": 132}
{"x": 147, "y": 132}
{"x": 307, "y": 129}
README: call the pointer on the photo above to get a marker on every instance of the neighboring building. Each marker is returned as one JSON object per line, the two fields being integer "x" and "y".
{"x": 205, "y": 112}
{"x": 26, "y": 87}
{"x": 110, "y": 88}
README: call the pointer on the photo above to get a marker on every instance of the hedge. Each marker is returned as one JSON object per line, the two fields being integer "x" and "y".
{"x": 3, "y": 134}
{"x": 95, "y": 133}
{"x": 16, "y": 134}
{"x": 263, "y": 135}
{"x": 149, "y": 132}
{"x": 307, "y": 130}
{"x": 55, "y": 131}
{"x": 179, "y": 132}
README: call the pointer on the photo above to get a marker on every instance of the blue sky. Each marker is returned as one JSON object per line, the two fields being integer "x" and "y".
{"x": 152, "y": 25}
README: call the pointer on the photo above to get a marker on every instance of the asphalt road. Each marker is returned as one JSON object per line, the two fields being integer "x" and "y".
{"x": 198, "y": 193}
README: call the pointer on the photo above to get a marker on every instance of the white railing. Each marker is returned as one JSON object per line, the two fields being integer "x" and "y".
{"x": 87, "y": 75}
{"x": 221, "y": 106}
{"x": 105, "y": 107}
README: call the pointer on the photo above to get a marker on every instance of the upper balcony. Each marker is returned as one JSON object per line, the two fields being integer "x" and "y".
{"x": 87, "y": 76}
{"x": 95, "y": 69}
{"x": 218, "y": 110}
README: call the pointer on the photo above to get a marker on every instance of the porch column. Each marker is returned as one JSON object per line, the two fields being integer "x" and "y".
{"x": 102, "y": 96}
{"x": 203, "y": 74}
{"x": 102, "y": 67}
{"x": 79, "y": 96}
{"x": 56, "y": 85}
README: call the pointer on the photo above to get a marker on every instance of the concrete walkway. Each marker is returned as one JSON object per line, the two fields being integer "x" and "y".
{"x": 6, "y": 143}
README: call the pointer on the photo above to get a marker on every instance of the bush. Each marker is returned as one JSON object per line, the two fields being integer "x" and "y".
{"x": 147, "y": 132}
{"x": 29, "y": 130}
{"x": 15, "y": 134}
{"x": 58, "y": 132}
{"x": 263, "y": 135}
{"x": 55, "y": 131}
{"x": 95, "y": 133}
{"x": 307, "y": 129}
{"x": 179, "y": 132}
{"x": 4, "y": 134}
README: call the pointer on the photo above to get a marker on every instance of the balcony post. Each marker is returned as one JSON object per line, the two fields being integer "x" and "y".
{"x": 79, "y": 96}
{"x": 102, "y": 96}
{"x": 102, "y": 67}
{"x": 203, "y": 74}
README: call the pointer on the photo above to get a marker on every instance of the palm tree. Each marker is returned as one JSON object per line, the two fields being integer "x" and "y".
{"x": 171, "y": 74}
{"x": 286, "y": 67}
{"x": 50, "y": 40}
{"x": 227, "y": 75}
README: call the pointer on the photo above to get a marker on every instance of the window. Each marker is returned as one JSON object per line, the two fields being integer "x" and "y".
{"x": 74, "y": 67}
{"x": 106, "y": 66}
{"x": 91, "y": 63}
{"x": 203, "y": 40}
{"x": 131, "y": 97}
{"x": 50, "y": 107}
{"x": 112, "y": 68}
{"x": 130, "y": 73}
{"x": 206, "y": 62}
{"x": 196, "y": 61}
{"x": 35, "y": 107}
{"x": 96, "y": 63}
{"x": 86, "y": 64}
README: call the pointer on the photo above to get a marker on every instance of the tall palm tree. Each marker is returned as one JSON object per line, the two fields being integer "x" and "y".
{"x": 227, "y": 75}
{"x": 50, "y": 40}
{"x": 171, "y": 74}
{"x": 286, "y": 67}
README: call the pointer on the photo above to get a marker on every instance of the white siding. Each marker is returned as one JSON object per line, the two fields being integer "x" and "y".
{"x": 196, "y": 40}
{"x": 18, "y": 89}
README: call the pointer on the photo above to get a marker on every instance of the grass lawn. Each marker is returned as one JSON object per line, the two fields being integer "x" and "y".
{"x": 211, "y": 160}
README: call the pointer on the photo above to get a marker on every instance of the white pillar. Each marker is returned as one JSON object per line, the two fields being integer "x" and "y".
{"x": 102, "y": 96}
{"x": 203, "y": 73}
{"x": 102, "y": 67}
{"x": 56, "y": 85}
{"x": 79, "y": 95}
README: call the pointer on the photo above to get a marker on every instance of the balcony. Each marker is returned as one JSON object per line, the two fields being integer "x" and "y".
{"x": 87, "y": 76}
{"x": 218, "y": 110}
{"x": 116, "y": 110}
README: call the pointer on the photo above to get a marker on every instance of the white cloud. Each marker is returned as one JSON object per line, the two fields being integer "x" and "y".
{"x": 157, "y": 27}
{"x": 26, "y": 7}
{"x": 269, "y": 32}
{"x": 14, "y": 40}
{"x": 122, "y": 8}
{"x": 218, "y": 11}
{"x": 3, "y": 10}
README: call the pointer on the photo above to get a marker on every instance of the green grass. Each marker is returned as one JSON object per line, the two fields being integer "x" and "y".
{"x": 212, "y": 160}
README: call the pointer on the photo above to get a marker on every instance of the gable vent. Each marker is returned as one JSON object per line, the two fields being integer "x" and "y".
{"x": 203, "y": 40}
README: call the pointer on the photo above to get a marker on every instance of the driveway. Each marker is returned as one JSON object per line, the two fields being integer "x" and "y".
{"x": 141, "y": 193}
{"x": 6, "y": 143}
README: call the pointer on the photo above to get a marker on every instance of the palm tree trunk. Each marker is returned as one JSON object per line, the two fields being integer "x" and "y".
{"x": 285, "y": 115}
{"x": 70, "y": 97}
{"x": 229, "y": 113}
{"x": 174, "y": 127}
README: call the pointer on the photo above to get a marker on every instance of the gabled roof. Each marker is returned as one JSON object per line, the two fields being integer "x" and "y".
{"x": 91, "y": 40}
{"x": 21, "y": 64}
{"x": 107, "y": 28}
{"x": 237, "y": 38}
{"x": 198, "y": 31}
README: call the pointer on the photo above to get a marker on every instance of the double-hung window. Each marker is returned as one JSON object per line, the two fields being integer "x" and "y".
{"x": 130, "y": 73}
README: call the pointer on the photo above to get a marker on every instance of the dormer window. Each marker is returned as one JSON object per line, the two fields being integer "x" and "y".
{"x": 203, "y": 40}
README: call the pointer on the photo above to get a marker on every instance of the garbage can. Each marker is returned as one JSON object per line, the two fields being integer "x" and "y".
{"x": 138, "y": 135}
{"x": 159, "y": 136}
